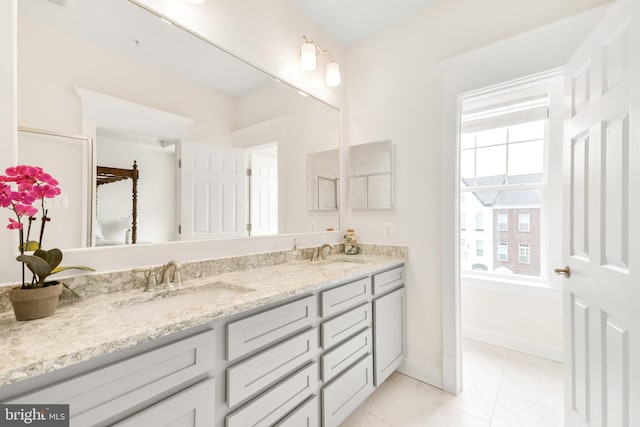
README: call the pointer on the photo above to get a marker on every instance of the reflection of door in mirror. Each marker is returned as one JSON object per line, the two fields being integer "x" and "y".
{"x": 370, "y": 175}
{"x": 263, "y": 200}
{"x": 212, "y": 184}
{"x": 69, "y": 213}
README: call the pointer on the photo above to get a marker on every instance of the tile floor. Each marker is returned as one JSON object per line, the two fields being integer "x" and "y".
{"x": 502, "y": 388}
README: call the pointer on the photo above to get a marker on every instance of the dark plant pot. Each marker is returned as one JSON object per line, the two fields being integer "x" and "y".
{"x": 35, "y": 303}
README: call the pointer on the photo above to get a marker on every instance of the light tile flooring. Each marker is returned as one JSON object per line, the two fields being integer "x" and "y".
{"x": 502, "y": 388}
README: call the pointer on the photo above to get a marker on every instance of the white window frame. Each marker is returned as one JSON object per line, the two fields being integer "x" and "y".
{"x": 504, "y": 245}
{"x": 480, "y": 248}
{"x": 528, "y": 222}
{"x": 506, "y": 222}
{"x": 521, "y": 247}
{"x": 479, "y": 220}
{"x": 486, "y": 97}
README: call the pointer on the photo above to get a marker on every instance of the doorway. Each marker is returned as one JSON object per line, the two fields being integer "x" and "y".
{"x": 509, "y": 195}
{"x": 263, "y": 190}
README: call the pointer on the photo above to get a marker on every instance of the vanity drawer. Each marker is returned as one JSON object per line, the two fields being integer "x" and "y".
{"x": 345, "y": 296}
{"x": 271, "y": 406}
{"x": 306, "y": 415}
{"x": 344, "y": 355}
{"x": 345, "y": 325}
{"x": 105, "y": 392}
{"x": 256, "y": 373}
{"x": 388, "y": 280}
{"x": 259, "y": 330}
{"x": 347, "y": 392}
{"x": 191, "y": 407}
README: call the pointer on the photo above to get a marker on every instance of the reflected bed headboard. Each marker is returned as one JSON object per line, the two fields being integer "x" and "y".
{"x": 106, "y": 175}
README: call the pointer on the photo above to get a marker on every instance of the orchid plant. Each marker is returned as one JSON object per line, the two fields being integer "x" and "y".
{"x": 21, "y": 188}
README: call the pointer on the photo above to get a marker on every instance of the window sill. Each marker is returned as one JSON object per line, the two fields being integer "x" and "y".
{"x": 523, "y": 287}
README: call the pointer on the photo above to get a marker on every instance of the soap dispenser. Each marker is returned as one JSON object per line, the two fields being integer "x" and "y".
{"x": 294, "y": 254}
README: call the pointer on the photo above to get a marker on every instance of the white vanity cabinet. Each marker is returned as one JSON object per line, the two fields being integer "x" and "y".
{"x": 309, "y": 361}
{"x": 389, "y": 319}
{"x": 156, "y": 380}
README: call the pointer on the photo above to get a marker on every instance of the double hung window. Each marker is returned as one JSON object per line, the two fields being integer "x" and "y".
{"x": 502, "y": 179}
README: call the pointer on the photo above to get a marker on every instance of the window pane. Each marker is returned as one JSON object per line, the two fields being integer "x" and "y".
{"x": 491, "y": 137}
{"x": 479, "y": 221}
{"x": 467, "y": 168}
{"x": 523, "y": 222}
{"x": 525, "y": 253}
{"x": 491, "y": 161}
{"x": 527, "y": 131}
{"x": 497, "y": 244}
{"x": 526, "y": 158}
{"x": 503, "y": 222}
{"x": 503, "y": 252}
{"x": 467, "y": 140}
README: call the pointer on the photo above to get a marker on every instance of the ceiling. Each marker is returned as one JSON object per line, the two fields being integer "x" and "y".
{"x": 350, "y": 21}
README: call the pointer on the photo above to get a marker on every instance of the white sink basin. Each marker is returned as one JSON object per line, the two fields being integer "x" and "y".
{"x": 339, "y": 263}
{"x": 166, "y": 301}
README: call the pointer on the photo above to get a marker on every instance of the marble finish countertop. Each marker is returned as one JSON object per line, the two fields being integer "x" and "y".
{"x": 104, "y": 323}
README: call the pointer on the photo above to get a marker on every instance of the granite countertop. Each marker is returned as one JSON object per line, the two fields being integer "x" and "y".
{"x": 106, "y": 323}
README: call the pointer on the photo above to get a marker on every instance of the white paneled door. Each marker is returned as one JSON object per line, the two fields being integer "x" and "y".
{"x": 602, "y": 233}
{"x": 212, "y": 191}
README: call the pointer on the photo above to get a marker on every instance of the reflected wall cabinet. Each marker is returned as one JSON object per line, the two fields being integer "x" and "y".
{"x": 371, "y": 175}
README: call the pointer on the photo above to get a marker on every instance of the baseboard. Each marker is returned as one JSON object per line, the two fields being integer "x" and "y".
{"x": 514, "y": 343}
{"x": 421, "y": 373}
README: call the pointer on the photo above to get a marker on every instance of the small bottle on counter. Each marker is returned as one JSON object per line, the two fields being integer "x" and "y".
{"x": 350, "y": 242}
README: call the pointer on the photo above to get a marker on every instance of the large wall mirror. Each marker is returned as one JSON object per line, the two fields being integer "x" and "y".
{"x": 108, "y": 84}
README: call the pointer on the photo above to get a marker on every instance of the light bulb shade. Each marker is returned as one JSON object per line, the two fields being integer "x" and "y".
{"x": 308, "y": 56}
{"x": 333, "y": 74}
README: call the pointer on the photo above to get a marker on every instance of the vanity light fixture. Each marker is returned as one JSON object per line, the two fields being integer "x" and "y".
{"x": 309, "y": 60}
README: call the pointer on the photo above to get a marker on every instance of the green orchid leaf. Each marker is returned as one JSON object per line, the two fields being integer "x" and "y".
{"x": 53, "y": 257}
{"x": 71, "y": 267}
{"x": 37, "y": 265}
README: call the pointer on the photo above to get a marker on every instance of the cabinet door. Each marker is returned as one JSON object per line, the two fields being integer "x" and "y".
{"x": 346, "y": 393}
{"x": 262, "y": 329}
{"x": 389, "y": 333}
{"x": 193, "y": 407}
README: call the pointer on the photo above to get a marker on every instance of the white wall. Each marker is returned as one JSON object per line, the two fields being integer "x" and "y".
{"x": 523, "y": 319}
{"x": 52, "y": 62}
{"x": 396, "y": 92}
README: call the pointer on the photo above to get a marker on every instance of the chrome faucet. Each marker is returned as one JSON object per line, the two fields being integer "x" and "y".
{"x": 174, "y": 267}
